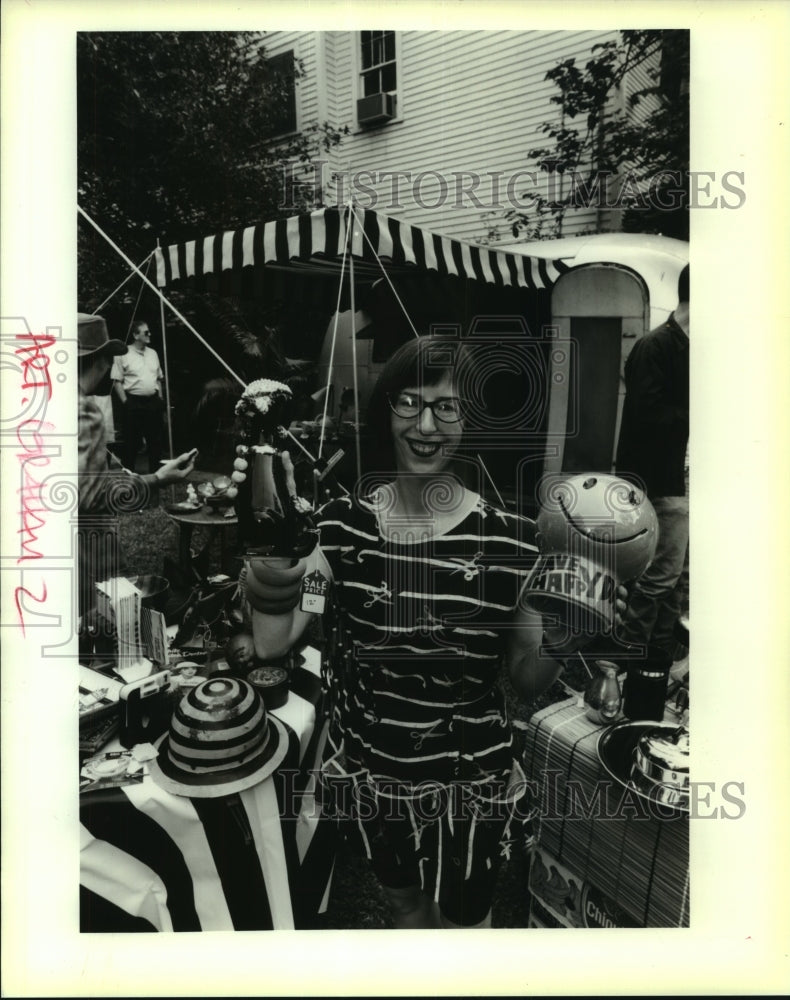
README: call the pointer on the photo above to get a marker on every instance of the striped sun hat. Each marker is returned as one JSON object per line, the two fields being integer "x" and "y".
{"x": 220, "y": 741}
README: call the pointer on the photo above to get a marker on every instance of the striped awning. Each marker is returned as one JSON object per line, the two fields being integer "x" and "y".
{"x": 316, "y": 240}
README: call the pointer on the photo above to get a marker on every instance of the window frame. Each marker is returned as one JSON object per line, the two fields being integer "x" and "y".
{"x": 358, "y": 84}
{"x": 285, "y": 133}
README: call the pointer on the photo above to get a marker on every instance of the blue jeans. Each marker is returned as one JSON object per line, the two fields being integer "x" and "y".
{"x": 654, "y": 605}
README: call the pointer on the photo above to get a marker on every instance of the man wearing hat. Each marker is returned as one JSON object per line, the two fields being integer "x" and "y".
{"x": 105, "y": 486}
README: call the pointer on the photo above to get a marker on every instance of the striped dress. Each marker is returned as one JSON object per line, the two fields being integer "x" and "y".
{"x": 419, "y": 722}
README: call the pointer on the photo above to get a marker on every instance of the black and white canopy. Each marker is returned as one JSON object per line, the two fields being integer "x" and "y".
{"x": 316, "y": 242}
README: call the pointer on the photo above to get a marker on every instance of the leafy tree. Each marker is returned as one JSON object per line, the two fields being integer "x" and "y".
{"x": 634, "y": 157}
{"x": 179, "y": 134}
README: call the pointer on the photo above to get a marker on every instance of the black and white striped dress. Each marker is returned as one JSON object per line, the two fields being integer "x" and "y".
{"x": 418, "y": 715}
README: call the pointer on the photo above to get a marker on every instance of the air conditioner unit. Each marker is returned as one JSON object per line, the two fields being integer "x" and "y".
{"x": 375, "y": 109}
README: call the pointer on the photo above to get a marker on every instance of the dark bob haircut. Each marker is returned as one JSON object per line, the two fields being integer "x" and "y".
{"x": 683, "y": 285}
{"x": 419, "y": 362}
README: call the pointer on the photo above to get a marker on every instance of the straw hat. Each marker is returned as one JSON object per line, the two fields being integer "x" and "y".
{"x": 92, "y": 337}
{"x": 221, "y": 740}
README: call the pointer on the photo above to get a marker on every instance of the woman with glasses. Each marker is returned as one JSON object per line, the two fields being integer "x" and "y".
{"x": 426, "y": 578}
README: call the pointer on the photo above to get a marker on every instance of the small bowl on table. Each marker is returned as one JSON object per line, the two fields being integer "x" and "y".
{"x": 271, "y": 681}
{"x": 218, "y": 503}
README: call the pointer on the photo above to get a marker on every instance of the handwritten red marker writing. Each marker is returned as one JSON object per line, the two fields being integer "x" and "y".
{"x": 33, "y": 509}
{"x": 32, "y": 352}
{"x": 39, "y": 600}
{"x": 35, "y": 361}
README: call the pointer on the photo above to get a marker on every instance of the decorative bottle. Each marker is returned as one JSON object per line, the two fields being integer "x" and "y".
{"x": 602, "y": 699}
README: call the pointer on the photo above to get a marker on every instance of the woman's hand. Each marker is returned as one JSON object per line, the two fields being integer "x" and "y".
{"x": 535, "y": 653}
{"x": 562, "y": 640}
{"x": 175, "y": 469}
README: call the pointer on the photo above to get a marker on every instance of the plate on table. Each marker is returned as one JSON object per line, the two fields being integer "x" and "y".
{"x": 110, "y": 770}
{"x": 185, "y": 507}
{"x": 108, "y": 765}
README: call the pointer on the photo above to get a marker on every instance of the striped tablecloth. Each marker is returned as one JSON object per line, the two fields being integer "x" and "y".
{"x": 604, "y": 858}
{"x": 258, "y": 860}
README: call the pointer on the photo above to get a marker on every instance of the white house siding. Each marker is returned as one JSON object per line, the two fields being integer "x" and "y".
{"x": 340, "y": 51}
{"x": 638, "y": 79}
{"x": 337, "y": 49}
{"x": 468, "y": 101}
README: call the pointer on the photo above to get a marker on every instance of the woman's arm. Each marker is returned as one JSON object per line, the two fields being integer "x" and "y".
{"x": 536, "y": 652}
{"x": 531, "y": 672}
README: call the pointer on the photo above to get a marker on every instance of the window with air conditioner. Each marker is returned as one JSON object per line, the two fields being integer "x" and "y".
{"x": 377, "y": 102}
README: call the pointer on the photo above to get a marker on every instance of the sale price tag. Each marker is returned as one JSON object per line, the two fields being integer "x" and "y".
{"x": 315, "y": 587}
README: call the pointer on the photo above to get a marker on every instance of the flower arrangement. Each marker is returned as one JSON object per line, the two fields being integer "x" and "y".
{"x": 263, "y": 408}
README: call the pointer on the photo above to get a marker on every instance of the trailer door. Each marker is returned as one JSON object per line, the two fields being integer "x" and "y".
{"x": 598, "y": 311}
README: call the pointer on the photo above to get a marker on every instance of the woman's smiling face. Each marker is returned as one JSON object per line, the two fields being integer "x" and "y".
{"x": 423, "y": 443}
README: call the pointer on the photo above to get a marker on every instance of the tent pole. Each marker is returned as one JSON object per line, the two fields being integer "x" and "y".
{"x": 332, "y": 352}
{"x": 127, "y": 278}
{"x": 351, "y": 221}
{"x": 163, "y": 327}
{"x": 162, "y": 298}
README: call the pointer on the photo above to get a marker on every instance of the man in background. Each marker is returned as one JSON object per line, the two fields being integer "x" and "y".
{"x": 106, "y": 488}
{"x": 137, "y": 378}
{"x": 652, "y": 453}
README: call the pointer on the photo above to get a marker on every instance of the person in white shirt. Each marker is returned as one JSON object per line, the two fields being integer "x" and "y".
{"x": 106, "y": 488}
{"x": 137, "y": 378}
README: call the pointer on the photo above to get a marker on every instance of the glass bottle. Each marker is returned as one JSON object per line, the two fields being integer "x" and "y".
{"x": 602, "y": 699}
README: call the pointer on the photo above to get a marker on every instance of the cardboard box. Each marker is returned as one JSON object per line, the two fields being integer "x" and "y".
{"x": 561, "y": 898}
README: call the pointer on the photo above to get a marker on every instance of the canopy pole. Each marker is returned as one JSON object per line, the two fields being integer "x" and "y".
{"x": 491, "y": 480}
{"x": 130, "y": 326}
{"x": 163, "y": 326}
{"x": 388, "y": 279}
{"x": 127, "y": 278}
{"x": 351, "y": 220}
{"x": 312, "y": 457}
{"x": 162, "y": 298}
{"x": 332, "y": 352}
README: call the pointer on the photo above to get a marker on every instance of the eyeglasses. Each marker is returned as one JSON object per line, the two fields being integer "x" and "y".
{"x": 408, "y": 405}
